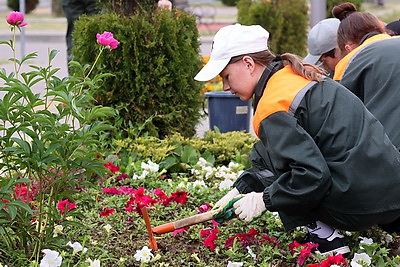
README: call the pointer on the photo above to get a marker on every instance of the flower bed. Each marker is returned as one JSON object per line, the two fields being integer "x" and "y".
{"x": 71, "y": 197}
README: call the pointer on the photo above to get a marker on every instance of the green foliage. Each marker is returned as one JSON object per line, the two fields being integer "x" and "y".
{"x": 29, "y": 5}
{"x": 331, "y": 3}
{"x": 49, "y": 143}
{"x": 229, "y": 2}
{"x": 127, "y": 8}
{"x": 152, "y": 86}
{"x": 286, "y": 21}
{"x": 175, "y": 151}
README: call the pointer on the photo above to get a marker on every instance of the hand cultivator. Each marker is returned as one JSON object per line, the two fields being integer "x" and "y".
{"x": 170, "y": 227}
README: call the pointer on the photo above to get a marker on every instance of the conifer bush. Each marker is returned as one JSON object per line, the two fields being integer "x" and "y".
{"x": 152, "y": 86}
{"x": 286, "y": 21}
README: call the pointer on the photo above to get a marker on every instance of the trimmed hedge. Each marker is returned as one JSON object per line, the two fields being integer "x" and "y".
{"x": 286, "y": 21}
{"x": 153, "y": 87}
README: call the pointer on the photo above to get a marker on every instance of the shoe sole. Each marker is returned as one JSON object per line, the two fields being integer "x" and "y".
{"x": 343, "y": 250}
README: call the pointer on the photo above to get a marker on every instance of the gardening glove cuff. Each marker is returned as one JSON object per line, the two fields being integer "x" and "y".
{"x": 226, "y": 211}
{"x": 250, "y": 207}
{"x": 231, "y": 194}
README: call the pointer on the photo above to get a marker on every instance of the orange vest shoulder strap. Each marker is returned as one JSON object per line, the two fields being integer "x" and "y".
{"x": 341, "y": 66}
{"x": 280, "y": 94}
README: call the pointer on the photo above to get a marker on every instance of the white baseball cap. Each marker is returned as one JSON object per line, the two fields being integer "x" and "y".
{"x": 322, "y": 38}
{"x": 230, "y": 41}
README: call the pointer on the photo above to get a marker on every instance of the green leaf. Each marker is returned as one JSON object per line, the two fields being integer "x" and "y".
{"x": 189, "y": 155}
{"x": 23, "y": 144}
{"x": 53, "y": 54}
{"x": 20, "y": 204}
{"x": 12, "y": 211}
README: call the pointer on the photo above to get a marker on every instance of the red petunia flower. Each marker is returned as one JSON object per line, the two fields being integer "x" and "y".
{"x": 210, "y": 239}
{"x": 245, "y": 239}
{"x": 204, "y": 208}
{"x": 21, "y": 192}
{"x": 159, "y": 193}
{"x": 107, "y": 212}
{"x": 65, "y": 206}
{"x": 112, "y": 191}
{"x": 121, "y": 177}
{"x": 331, "y": 260}
{"x": 111, "y": 167}
{"x": 304, "y": 249}
{"x": 179, "y": 197}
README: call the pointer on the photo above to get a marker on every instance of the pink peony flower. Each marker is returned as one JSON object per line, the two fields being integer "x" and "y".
{"x": 107, "y": 39}
{"x": 16, "y": 18}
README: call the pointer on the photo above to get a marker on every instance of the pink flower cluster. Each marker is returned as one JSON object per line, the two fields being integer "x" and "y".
{"x": 107, "y": 39}
{"x": 304, "y": 249}
{"x": 111, "y": 167}
{"x": 16, "y": 18}
{"x": 338, "y": 260}
{"x": 249, "y": 238}
{"x": 65, "y": 206}
{"x": 106, "y": 212}
{"x": 210, "y": 236}
{"x": 22, "y": 192}
{"x": 139, "y": 200}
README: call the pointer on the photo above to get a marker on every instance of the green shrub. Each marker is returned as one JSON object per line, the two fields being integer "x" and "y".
{"x": 29, "y": 5}
{"x": 331, "y": 3}
{"x": 222, "y": 147}
{"x": 127, "y": 8}
{"x": 229, "y": 2}
{"x": 286, "y": 21}
{"x": 153, "y": 87}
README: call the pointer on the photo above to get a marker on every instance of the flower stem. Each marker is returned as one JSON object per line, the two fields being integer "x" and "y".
{"x": 14, "y": 50}
{"x": 91, "y": 69}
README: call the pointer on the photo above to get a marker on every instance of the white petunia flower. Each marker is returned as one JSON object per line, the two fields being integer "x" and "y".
{"x": 77, "y": 247}
{"x": 233, "y": 165}
{"x": 225, "y": 184}
{"x": 367, "y": 241}
{"x": 234, "y": 264}
{"x": 360, "y": 259}
{"x": 51, "y": 258}
{"x": 95, "y": 263}
{"x": 209, "y": 171}
{"x": 150, "y": 166}
{"x": 231, "y": 176}
{"x": 143, "y": 255}
{"x": 199, "y": 183}
{"x": 58, "y": 230}
{"x": 202, "y": 162}
{"x": 107, "y": 227}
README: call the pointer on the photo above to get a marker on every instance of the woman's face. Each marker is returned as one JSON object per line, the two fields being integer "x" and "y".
{"x": 241, "y": 77}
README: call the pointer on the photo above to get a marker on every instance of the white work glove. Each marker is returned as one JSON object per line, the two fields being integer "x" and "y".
{"x": 250, "y": 207}
{"x": 224, "y": 206}
{"x": 231, "y": 194}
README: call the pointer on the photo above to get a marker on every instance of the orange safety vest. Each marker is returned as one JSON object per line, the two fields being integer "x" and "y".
{"x": 344, "y": 62}
{"x": 283, "y": 92}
